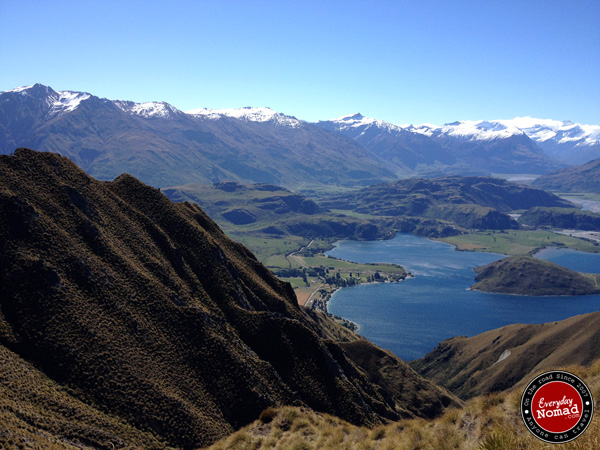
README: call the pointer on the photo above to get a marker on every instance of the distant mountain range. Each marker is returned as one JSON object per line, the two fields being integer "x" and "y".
{"x": 164, "y": 146}
{"x": 566, "y": 141}
{"x": 521, "y": 145}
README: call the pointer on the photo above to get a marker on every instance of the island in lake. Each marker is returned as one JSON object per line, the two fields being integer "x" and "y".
{"x": 526, "y": 275}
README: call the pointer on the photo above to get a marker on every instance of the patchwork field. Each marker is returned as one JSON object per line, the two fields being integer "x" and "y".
{"x": 518, "y": 242}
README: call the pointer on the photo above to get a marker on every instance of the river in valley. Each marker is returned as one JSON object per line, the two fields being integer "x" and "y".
{"x": 411, "y": 317}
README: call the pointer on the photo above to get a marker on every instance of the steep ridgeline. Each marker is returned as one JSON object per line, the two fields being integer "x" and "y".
{"x": 470, "y": 202}
{"x": 164, "y": 331}
{"x": 466, "y": 148}
{"x": 500, "y": 359}
{"x": 584, "y": 178}
{"x": 163, "y": 146}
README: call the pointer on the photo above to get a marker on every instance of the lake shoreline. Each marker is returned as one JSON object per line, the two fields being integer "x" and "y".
{"x": 410, "y": 319}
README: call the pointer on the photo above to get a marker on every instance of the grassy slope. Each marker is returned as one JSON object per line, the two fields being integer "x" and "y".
{"x": 500, "y": 358}
{"x": 37, "y": 412}
{"x": 489, "y": 422}
{"x": 518, "y": 242}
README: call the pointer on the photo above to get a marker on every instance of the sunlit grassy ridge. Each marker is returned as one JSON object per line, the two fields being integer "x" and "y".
{"x": 489, "y": 422}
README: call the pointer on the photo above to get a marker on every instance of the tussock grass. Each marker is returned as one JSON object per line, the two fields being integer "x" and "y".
{"x": 488, "y": 422}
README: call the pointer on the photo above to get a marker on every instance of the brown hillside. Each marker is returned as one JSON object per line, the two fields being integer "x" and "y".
{"x": 145, "y": 311}
{"x": 500, "y": 359}
{"x": 526, "y": 275}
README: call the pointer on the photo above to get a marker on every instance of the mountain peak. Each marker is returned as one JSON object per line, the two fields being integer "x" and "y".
{"x": 54, "y": 102}
{"x": 350, "y": 118}
{"x": 357, "y": 116}
{"x": 148, "y": 109}
{"x": 247, "y": 114}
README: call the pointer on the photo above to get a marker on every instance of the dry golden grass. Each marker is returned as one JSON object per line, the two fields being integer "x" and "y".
{"x": 489, "y": 422}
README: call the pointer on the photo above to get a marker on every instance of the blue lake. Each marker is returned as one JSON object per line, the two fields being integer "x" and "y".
{"x": 410, "y": 318}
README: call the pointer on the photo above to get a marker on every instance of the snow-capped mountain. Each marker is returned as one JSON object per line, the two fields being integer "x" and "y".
{"x": 542, "y": 130}
{"x": 357, "y": 124}
{"x": 469, "y": 130}
{"x": 148, "y": 109}
{"x": 571, "y": 142}
{"x": 412, "y": 152}
{"x": 55, "y": 103}
{"x": 247, "y": 114}
{"x": 61, "y": 102}
{"x": 567, "y": 141}
{"x": 467, "y": 147}
{"x": 164, "y": 146}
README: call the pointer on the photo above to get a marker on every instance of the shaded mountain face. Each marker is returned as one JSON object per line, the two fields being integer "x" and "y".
{"x": 565, "y": 218}
{"x": 164, "y": 329}
{"x": 471, "y": 202}
{"x": 413, "y": 152}
{"x": 163, "y": 146}
{"x": 500, "y": 359}
{"x": 583, "y": 178}
{"x": 466, "y": 148}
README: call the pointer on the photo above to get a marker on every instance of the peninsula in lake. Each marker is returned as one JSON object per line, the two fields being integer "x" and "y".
{"x": 526, "y": 275}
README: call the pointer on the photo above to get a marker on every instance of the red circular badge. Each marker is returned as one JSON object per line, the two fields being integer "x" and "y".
{"x": 557, "y": 406}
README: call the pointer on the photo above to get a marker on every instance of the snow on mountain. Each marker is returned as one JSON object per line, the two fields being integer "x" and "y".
{"x": 542, "y": 130}
{"x": 248, "y": 114}
{"x": 148, "y": 109}
{"x": 67, "y": 101}
{"x": 538, "y": 130}
{"x": 59, "y": 102}
{"x": 479, "y": 130}
{"x": 465, "y": 130}
{"x": 20, "y": 89}
{"x": 359, "y": 121}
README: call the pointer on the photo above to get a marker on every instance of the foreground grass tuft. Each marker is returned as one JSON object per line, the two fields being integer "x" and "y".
{"x": 489, "y": 422}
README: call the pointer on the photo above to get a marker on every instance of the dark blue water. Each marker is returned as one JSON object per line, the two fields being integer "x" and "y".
{"x": 410, "y": 318}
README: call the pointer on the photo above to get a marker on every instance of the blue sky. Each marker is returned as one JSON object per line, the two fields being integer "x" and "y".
{"x": 399, "y": 61}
